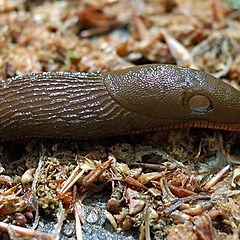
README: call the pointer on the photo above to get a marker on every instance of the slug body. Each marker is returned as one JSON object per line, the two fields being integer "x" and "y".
{"x": 95, "y": 105}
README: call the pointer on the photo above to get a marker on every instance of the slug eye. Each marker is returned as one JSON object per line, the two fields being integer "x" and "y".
{"x": 199, "y": 103}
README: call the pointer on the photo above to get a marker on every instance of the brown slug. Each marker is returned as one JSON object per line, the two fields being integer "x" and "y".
{"x": 101, "y": 104}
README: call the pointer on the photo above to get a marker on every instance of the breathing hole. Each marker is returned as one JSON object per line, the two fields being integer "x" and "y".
{"x": 199, "y": 103}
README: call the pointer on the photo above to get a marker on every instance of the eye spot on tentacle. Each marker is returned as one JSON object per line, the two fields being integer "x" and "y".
{"x": 199, "y": 103}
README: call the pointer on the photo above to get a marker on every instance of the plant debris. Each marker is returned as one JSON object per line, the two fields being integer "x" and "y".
{"x": 179, "y": 184}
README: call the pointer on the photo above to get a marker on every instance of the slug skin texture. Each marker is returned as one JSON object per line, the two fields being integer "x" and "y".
{"x": 101, "y": 104}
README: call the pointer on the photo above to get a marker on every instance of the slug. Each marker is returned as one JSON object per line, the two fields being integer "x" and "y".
{"x": 101, "y": 104}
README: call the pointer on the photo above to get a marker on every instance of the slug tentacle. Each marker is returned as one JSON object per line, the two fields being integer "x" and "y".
{"x": 95, "y": 105}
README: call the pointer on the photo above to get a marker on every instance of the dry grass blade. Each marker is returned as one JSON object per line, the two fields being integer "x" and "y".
{"x": 95, "y": 174}
{"x": 60, "y": 218}
{"x": 178, "y": 51}
{"x": 134, "y": 183}
{"x": 214, "y": 180}
{"x": 78, "y": 224}
{"x": 179, "y": 202}
{"x": 34, "y": 185}
{"x": 180, "y": 192}
{"x": 147, "y": 223}
{"x": 73, "y": 178}
{"x": 24, "y": 232}
{"x": 78, "y": 216}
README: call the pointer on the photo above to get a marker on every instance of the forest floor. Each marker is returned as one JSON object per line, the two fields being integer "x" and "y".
{"x": 178, "y": 184}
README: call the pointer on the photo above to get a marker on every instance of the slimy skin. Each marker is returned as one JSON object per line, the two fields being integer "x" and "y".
{"x": 102, "y": 104}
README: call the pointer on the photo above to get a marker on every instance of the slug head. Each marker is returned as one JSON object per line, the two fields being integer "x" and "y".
{"x": 174, "y": 94}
